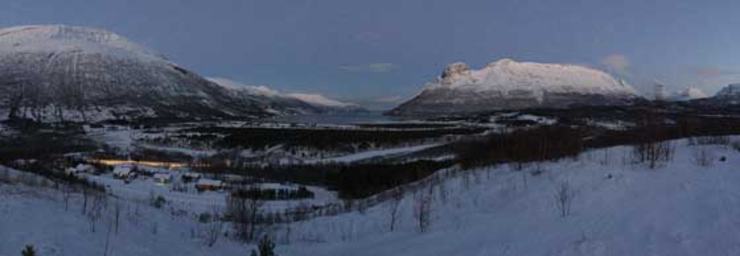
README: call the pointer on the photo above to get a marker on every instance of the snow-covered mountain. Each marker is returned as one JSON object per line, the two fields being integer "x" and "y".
{"x": 690, "y": 93}
{"x": 290, "y": 103}
{"x": 507, "y": 84}
{"x": 728, "y": 95}
{"x": 319, "y": 100}
{"x": 729, "y": 91}
{"x": 66, "y": 73}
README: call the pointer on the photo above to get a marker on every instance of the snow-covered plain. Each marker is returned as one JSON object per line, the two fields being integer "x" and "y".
{"x": 687, "y": 206}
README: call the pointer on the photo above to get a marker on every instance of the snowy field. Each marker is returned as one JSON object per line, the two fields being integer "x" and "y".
{"x": 617, "y": 208}
{"x": 687, "y": 206}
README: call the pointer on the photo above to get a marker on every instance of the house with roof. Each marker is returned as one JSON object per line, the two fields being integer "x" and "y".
{"x": 162, "y": 178}
{"x": 124, "y": 172}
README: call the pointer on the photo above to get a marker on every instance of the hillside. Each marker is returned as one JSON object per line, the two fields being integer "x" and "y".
{"x": 56, "y": 73}
{"x": 685, "y": 206}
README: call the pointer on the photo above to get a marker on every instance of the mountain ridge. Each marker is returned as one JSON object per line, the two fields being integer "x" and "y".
{"x": 290, "y": 103}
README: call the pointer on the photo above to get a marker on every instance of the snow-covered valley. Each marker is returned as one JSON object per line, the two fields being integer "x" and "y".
{"x": 602, "y": 202}
{"x": 366, "y": 128}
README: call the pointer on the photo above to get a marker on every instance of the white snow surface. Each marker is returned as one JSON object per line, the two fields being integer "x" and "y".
{"x": 37, "y": 216}
{"x": 507, "y": 76}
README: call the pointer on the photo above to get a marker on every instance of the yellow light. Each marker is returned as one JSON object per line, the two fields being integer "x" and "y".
{"x": 113, "y": 162}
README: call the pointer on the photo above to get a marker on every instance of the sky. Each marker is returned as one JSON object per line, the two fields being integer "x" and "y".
{"x": 383, "y": 51}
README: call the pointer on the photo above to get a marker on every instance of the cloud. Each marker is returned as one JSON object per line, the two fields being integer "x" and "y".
{"x": 616, "y": 63}
{"x": 371, "y": 67}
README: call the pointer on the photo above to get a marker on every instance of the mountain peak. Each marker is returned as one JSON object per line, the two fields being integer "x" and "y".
{"x": 501, "y": 62}
{"x": 455, "y": 69}
{"x": 63, "y": 38}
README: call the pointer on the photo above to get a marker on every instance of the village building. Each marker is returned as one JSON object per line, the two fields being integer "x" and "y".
{"x": 123, "y": 172}
{"x": 191, "y": 176}
{"x": 163, "y": 178}
{"x": 80, "y": 168}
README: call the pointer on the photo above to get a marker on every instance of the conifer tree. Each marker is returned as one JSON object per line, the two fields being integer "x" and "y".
{"x": 28, "y": 251}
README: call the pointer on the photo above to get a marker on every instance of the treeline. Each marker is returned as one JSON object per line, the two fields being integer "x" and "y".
{"x": 38, "y": 145}
{"x": 351, "y": 181}
{"x": 272, "y": 194}
{"x": 538, "y": 144}
{"x": 364, "y": 180}
{"x": 48, "y": 169}
{"x": 559, "y": 141}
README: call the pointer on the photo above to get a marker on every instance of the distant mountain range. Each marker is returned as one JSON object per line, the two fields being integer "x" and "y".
{"x": 290, "y": 103}
{"x": 690, "y": 93}
{"x": 59, "y": 73}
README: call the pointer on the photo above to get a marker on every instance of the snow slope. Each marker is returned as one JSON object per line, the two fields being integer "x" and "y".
{"x": 287, "y": 102}
{"x": 507, "y": 84}
{"x": 257, "y": 90}
{"x": 618, "y": 208}
{"x": 37, "y": 215}
{"x": 320, "y": 100}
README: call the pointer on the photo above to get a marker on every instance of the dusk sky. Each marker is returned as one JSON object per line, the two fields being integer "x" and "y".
{"x": 385, "y": 50}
